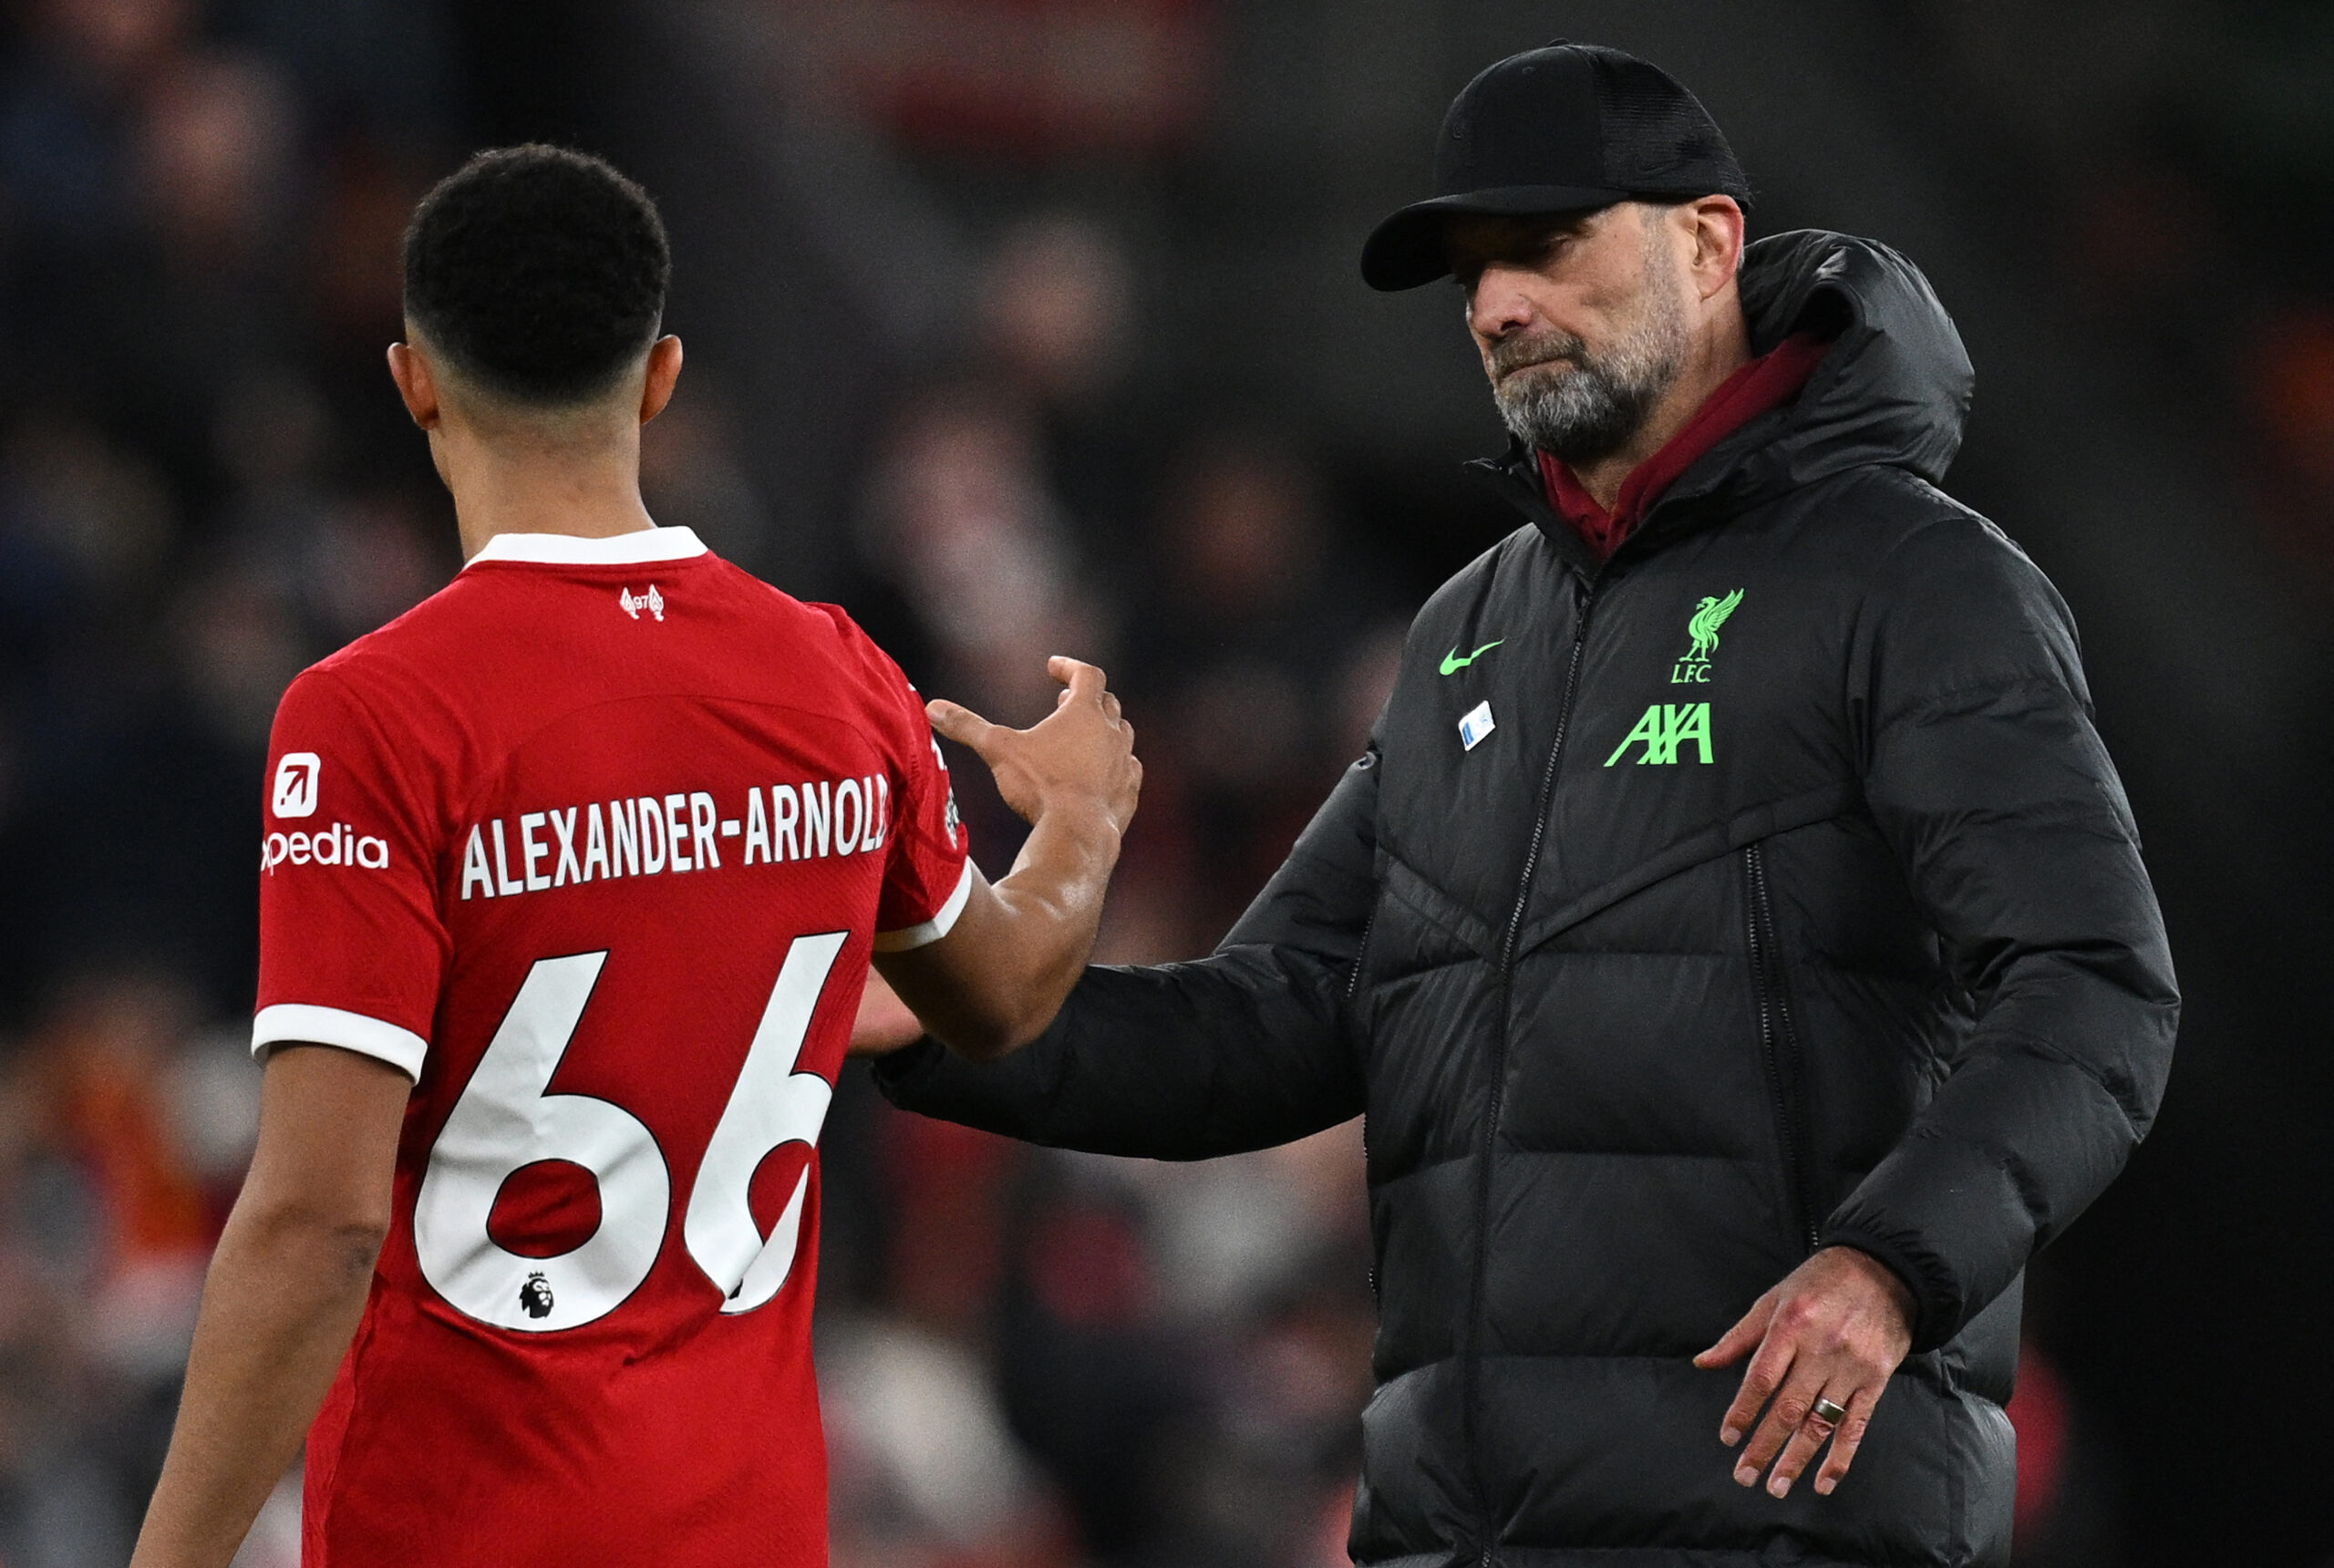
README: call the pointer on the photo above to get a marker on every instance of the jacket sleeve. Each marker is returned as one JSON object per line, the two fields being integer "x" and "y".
{"x": 1986, "y": 775}
{"x": 1241, "y": 1050}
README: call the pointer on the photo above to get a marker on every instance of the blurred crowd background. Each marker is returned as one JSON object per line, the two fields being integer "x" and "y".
{"x": 1021, "y": 326}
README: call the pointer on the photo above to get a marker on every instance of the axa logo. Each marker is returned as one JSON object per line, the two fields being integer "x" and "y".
{"x": 295, "y": 784}
{"x": 1667, "y": 727}
{"x": 1702, "y": 628}
{"x": 633, "y": 603}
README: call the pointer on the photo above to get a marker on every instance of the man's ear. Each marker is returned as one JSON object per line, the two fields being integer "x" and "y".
{"x": 416, "y": 385}
{"x": 1717, "y": 242}
{"x": 663, "y": 370}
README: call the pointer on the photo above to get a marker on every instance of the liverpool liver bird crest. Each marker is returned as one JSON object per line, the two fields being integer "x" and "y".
{"x": 1708, "y": 616}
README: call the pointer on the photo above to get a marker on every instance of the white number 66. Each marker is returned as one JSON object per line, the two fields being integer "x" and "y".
{"x": 505, "y": 1120}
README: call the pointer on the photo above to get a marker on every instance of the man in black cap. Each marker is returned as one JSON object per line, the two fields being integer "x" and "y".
{"x": 1736, "y": 932}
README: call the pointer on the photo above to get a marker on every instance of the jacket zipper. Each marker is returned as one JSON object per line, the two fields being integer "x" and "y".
{"x": 1779, "y": 1043}
{"x": 1473, "y": 1364}
{"x": 1360, "y": 955}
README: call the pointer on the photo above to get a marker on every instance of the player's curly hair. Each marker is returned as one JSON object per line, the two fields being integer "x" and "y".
{"x": 540, "y": 271}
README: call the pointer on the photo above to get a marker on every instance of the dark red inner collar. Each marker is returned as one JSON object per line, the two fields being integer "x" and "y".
{"x": 1770, "y": 381}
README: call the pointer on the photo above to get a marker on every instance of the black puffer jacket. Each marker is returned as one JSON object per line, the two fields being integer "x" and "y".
{"x": 1789, "y": 900}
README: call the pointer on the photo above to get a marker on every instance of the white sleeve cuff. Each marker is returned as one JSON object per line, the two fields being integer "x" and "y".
{"x": 287, "y": 1022}
{"x": 931, "y": 930}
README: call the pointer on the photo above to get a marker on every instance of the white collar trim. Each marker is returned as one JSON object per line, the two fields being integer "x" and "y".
{"x": 633, "y": 548}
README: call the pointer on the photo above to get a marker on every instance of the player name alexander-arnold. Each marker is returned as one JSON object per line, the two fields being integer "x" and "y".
{"x": 677, "y": 833}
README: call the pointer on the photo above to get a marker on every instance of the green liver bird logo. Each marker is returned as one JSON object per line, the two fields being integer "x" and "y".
{"x": 1708, "y": 616}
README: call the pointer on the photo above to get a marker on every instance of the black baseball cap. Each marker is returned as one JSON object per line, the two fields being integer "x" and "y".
{"x": 1564, "y": 129}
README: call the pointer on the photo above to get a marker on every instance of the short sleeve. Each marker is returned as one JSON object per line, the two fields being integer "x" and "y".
{"x": 929, "y": 874}
{"x": 352, "y": 948}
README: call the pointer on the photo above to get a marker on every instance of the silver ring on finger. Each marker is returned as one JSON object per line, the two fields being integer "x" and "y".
{"x": 1827, "y": 1411}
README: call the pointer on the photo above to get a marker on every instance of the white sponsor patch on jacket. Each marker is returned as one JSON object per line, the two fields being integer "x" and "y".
{"x": 1477, "y": 724}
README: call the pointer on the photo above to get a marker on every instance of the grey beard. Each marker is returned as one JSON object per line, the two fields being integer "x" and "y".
{"x": 1591, "y": 409}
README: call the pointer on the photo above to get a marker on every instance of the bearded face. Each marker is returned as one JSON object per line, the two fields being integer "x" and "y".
{"x": 1580, "y": 401}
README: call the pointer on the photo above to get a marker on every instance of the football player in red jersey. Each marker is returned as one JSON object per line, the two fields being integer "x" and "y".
{"x": 570, "y": 880}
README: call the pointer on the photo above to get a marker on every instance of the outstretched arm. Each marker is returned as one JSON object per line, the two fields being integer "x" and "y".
{"x": 286, "y": 1290}
{"x": 1241, "y": 1050}
{"x": 999, "y": 975}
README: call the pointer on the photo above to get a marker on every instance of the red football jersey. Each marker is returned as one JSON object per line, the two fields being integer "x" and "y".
{"x": 595, "y": 844}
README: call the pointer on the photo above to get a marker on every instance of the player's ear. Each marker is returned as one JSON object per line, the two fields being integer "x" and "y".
{"x": 410, "y": 371}
{"x": 663, "y": 370}
{"x": 1718, "y": 242}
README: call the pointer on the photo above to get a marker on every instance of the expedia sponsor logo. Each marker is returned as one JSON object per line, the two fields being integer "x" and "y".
{"x": 295, "y": 784}
{"x": 337, "y": 845}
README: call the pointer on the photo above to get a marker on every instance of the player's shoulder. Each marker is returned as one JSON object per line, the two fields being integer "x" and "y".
{"x": 457, "y": 657}
{"x": 831, "y": 626}
{"x": 418, "y": 637}
{"x": 397, "y": 673}
{"x": 854, "y": 660}
{"x": 823, "y": 634}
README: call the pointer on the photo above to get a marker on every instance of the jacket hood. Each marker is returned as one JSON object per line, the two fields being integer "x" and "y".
{"x": 1894, "y": 391}
{"x": 1894, "y": 388}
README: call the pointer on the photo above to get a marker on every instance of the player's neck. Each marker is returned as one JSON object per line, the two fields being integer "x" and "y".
{"x": 592, "y": 493}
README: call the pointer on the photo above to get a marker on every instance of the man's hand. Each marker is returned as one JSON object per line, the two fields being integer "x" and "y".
{"x": 1080, "y": 759}
{"x": 1835, "y": 1329}
{"x": 998, "y": 978}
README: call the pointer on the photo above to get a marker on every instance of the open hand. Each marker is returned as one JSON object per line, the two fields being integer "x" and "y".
{"x": 1001, "y": 974}
{"x": 1080, "y": 757}
{"x": 1835, "y": 1329}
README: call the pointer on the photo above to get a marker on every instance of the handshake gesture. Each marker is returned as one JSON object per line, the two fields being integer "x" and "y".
{"x": 1000, "y": 975}
{"x": 1080, "y": 759}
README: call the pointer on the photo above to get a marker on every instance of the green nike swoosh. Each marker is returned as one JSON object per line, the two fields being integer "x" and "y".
{"x": 1453, "y": 663}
